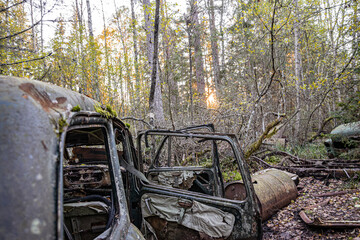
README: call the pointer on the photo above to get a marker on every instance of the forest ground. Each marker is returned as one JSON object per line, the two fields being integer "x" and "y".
{"x": 287, "y": 224}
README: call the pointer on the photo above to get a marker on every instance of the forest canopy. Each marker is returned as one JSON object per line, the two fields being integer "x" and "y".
{"x": 240, "y": 64}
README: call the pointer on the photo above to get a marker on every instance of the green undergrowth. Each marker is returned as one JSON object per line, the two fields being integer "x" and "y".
{"x": 352, "y": 183}
{"x": 229, "y": 169}
{"x": 314, "y": 150}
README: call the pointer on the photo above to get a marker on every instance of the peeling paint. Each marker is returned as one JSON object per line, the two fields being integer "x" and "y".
{"x": 35, "y": 226}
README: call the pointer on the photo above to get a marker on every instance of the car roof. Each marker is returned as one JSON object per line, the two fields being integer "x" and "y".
{"x": 348, "y": 129}
{"x": 29, "y": 141}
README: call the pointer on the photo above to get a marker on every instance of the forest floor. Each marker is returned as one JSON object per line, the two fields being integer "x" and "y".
{"x": 287, "y": 224}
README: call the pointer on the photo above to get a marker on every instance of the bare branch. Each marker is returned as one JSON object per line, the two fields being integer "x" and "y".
{"x": 267, "y": 87}
{"x": 14, "y": 5}
{"x": 137, "y": 119}
{"x": 25, "y": 61}
{"x": 17, "y": 48}
{"x": 29, "y": 28}
{"x": 330, "y": 88}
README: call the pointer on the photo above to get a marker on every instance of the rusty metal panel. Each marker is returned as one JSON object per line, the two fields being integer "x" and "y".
{"x": 318, "y": 222}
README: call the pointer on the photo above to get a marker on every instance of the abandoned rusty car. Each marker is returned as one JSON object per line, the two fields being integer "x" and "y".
{"x": 50, "y": 186}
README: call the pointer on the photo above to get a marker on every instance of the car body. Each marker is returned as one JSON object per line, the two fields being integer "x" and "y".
{"x": 186, "y": 197}
{"x": 47, "y": 191}
{"x": 345, "y": 138}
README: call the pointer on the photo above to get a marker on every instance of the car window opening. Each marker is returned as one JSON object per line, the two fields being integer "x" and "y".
{"x": 195, "y": 164}
{"x": 89, "y": 209}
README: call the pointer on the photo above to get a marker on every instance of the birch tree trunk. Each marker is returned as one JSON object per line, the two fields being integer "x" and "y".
{"x": 94, "y": 78}
{"x": 155, "y": 99}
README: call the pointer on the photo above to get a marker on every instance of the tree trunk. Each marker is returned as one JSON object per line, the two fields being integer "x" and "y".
{"x": 80, "y": 48}
{"x": 169, "y": 45}
{"x": 298, "y": 69}
{"x": 42, "y": 27}
{"x": 199, "y": 64}
{"x": 222, "y": 75}
{"x": 33, "y": 35}
{"x": 188, "y": 30}
{"x": 107, "y": 68}
{"x": 214, "y": 46}
{"x": 155, "y": 99}
{"x": 94, "y": 78}
{"x": 137, "y": 77}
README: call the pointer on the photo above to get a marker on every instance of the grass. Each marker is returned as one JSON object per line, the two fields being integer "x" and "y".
{"x": 308, "y": 151}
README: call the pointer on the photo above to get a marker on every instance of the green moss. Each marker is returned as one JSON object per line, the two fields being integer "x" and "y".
{"x": 127, "y": 125}
{"x": 111, "y": 111}
{"x": 315, "y": 150}
{"x": 106, "y": 112}
{"x": 207, "y": 163}
{"x": 232, "y": 176}
{"x": 76, "y": 109}
{"x": 273, "y": 160}
{"x": 61, "y": 125}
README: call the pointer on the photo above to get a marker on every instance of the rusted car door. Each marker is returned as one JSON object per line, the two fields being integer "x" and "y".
{"x": 184, "y": 196}
{"x": 94, "y": 202}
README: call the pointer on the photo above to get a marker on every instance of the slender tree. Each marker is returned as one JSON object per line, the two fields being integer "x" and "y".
{"x": 155, "y": 98}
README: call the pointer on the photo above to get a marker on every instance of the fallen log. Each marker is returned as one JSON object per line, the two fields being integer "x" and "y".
{"x": 331, "y": 194}
{"x": 336, "y": 170}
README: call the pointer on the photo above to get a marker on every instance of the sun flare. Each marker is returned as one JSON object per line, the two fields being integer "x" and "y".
{"x": 211, "y": 101}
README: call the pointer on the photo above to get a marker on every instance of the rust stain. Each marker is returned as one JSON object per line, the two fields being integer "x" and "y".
{"x": 44, "y": 145}
{"x": 41, "y": 97}
{"x": 61, "y": 100}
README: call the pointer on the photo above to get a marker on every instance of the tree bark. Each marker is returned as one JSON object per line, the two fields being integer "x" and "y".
{"x": 80, "y": 57}
{"x": 136, "y": 63}
{"x": 298, "y": 69}
{"x": 188, "y": 30}
{"x": 222, "y": 75}
{"x": 33, "y": 35}
{"x": 214, "y": 46}
{"x": 107, "y": 69}
{"x": 155, "y": 98}
{"x": 42, "y": 27}
{"x": 199, "y": 64}
{"x": 169, "y": 45}
{"x": 94, "y": 78}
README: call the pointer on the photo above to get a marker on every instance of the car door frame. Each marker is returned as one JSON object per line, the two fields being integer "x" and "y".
{"x": 248, "y": 224}
{"x": 89, "y": 119}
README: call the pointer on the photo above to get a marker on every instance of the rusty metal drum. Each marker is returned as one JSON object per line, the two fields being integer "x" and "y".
{"x": 274, "y": 190}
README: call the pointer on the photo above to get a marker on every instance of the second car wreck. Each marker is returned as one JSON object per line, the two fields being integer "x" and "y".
{"x": 189, "y": 194}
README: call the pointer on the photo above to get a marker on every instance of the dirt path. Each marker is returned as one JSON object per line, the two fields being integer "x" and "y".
{"x": 287, "y": 224}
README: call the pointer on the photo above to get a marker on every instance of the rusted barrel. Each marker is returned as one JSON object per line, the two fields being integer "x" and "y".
{"x": 274, "y": 190}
